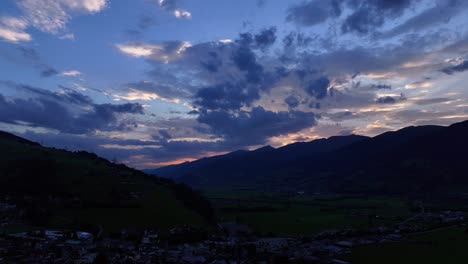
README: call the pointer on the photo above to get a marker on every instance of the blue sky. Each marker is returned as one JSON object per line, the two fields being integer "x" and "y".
{"x": 156, "y": 82}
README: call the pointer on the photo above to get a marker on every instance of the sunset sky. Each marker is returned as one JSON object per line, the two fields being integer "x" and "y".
{"x": 156, "y": 82}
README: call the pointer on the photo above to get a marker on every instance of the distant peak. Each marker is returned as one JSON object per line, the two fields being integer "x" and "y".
{"x": 265, "y": 148}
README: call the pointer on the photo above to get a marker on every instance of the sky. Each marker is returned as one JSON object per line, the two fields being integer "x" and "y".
{"x": 150, "y": 83}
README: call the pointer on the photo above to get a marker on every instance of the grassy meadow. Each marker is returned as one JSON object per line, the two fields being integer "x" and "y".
{"x": 294, "y": 215}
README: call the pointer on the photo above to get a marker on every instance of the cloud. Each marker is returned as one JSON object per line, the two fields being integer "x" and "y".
{"x": 239, "y": 88}
{"x": 52, "y": 16}
{"x": 71, "y": 73}
{"x": 292, "y": 101}
{"x": 310, "y": 13}
{"x": 33, "y": 57}
{"x": 318, "y": 88}
{"x": 158, "y": 91}
{"x": 442, "y": 12}
{"x": 162, "y": 52}
{"x": 66, "y": 111}
{"x": 136, "y": 50}
{"x": 69, "y": 36}
{"x": 226, "y": 96}
{"x": 362, "y": 16}
{"x": 390, "y": 99}
{"x": 246, "y": 61}
{"x": 261, "y": 40}
{"x": 172, "y": 6}
{"x": 168, "y": 4}
{"x": 49, "y": 72}
{"x": 133, "y": 95}
{"x": 380, "y": 86}
{"x": 433, "y": 101}
{"x": 460, "y": 67}
{"x": 362, "y": 21}
{"x": 180, "y": 13}
{"x": 370, "y": 15}
{"x": 12, "y": 29}
{"x": 256, "y": 126}
{"x": 266, "y": 37}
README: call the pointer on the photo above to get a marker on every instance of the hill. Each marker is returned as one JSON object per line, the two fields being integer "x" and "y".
{"x": 263, "y": 167}
{"x": 55, "y": 187}
{"x": 413, "y": 159}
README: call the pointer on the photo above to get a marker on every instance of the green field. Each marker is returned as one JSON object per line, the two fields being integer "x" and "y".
{"x": 293, "y": 215}
{"x": 444, "y": 246}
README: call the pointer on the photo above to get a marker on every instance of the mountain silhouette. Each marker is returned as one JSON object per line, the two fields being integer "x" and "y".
{"x": 412, "y": 159}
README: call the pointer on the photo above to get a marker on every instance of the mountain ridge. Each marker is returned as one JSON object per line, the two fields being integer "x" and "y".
{"x": 343, "y": 163}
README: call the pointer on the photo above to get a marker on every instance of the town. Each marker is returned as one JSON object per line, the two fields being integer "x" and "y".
{"x": 229, "y": 243}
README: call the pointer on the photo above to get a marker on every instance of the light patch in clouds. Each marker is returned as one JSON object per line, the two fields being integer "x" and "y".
{"x": 133, "y": 95}
{"x": 162, "y": 52}
{"x": 129, "y": 147}
{"x": 12, "y": 29}
{"x": 136, "y": 50}
{"x": 172, "y": 6}
{"x": 417, "y": 85}
{"x": 226, "y": 41}
{"x": 180, "y": 13}
{"x": 52, "y": 16}
{"x": 71, "y": 73}
{"x": 69, "y": 36}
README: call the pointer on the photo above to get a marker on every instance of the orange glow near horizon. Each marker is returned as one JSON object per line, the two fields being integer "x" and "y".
{"x": 143, "y": 162}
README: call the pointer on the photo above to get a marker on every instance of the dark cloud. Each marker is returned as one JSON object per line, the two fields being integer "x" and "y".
{"x": 266, "y": 38}
{"x": 53, "y": 111}
{"x": 261, "y": 40}
{"x": 165, "y": 134}
{"x": 318, "y": 88}
{"x": 226, "y": 96}
{"x": 256, "y": 126}
{"x": 442, "y": 12}
{"x": 362, "y": 21}
{"x": 341, "y": 116}
{"x": 245, "y": 60}
{"x": 390, "y": 99}
{"x": 344, "y": 61}
{"x": 364, "y": 16}
{"x": 386, "y": 100}
{"x": 380, "y": 86}
{"x": 33, "y": 57}
{"x": 291, "y": 101}
{"x": 66, "y": 95}
{"x": 310, "y": 13}
{"x": 49, "y": 72}
{"x": 369, "y": 15}
{"x": 162, "y": 136}
{"x": 456, "y": 68}
{"x": 296, "y": 39}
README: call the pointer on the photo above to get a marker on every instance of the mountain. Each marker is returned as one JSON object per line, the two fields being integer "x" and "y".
{"x": 412, "y": 159}
{"x": 68, "y": 189}
{"x": 251, "y": 168}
